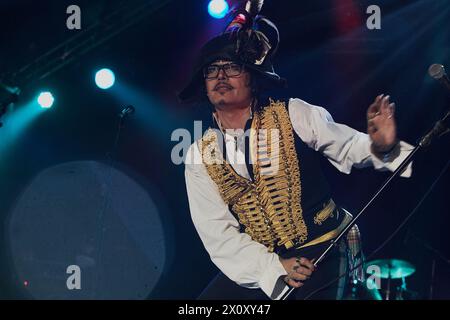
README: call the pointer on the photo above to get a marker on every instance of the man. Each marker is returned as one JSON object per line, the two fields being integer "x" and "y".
{"x": 258, "y": 199}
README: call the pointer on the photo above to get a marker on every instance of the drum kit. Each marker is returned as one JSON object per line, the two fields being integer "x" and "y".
{"x": 390, "y": 272}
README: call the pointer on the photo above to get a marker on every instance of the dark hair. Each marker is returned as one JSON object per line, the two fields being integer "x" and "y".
{"x": 255, "y": 83}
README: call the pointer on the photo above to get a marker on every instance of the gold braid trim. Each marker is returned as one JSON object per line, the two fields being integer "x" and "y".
{"x": 231, "y": 185}
{"x": 269, "y": 208}
{"x": 278, "y": 180}
{"x": 236, "y": 191}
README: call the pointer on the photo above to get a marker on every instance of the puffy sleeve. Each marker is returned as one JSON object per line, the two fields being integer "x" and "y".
{"x": 246, "y": 262}
{"x": 343, "y": 146}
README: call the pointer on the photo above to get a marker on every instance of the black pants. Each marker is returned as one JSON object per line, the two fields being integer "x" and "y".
{"x": 334, "y": 265}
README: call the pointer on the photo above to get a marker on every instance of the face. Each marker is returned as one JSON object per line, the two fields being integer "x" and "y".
{"x": 230, "y": 88}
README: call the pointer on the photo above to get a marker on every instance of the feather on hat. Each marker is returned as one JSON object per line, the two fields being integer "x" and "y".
{"x": 249, "y": 39}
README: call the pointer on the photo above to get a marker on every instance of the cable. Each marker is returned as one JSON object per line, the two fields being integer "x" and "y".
{"x": 389, "y": 238}
{"x": 110, "y": 156}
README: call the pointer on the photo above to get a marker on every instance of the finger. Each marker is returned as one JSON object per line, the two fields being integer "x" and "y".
{"x": 295, "y": 284}
{"x": 375, "y": 104}
{"x": 373, "y": 118}
{"x": 388, "y": 113}
{"x": 391, "y": 110}
{"x": 378, "y": 98}
{"x": 373, "y": 108}
{"x": 385, "y": 105}
{"x": 305, "y": 271}
{"x": 305, "y": 262}
{"x": 292, "y": 282}
{"x": 298, "y": 276}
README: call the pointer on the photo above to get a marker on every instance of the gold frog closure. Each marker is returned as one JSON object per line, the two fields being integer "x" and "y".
{"x": 325, "y": 213}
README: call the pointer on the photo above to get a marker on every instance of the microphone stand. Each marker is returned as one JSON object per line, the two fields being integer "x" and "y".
{"x": 440, "y": 128}
{"x": 110, "y": 156}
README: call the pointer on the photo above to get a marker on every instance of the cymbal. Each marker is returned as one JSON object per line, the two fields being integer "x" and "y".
{"x": 394, "y": 267}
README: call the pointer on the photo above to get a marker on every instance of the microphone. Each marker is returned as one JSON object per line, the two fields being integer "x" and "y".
{"x": 437, "y": 71}
{"x": 128, "y": 110}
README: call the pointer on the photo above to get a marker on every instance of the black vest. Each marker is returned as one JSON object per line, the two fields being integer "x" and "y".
{"x": 315, "y": 190}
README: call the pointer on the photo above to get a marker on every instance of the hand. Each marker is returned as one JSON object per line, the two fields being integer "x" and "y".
{"x": 298, "y": 270}
{"x": 381, "y": 125}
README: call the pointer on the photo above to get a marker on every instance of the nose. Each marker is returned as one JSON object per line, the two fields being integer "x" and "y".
{"x": 222, "y": 75}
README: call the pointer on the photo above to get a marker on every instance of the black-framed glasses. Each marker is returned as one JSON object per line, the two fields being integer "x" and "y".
{"x": 231, "y": 70}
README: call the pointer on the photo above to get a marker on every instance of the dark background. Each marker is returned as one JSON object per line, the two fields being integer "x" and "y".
{"x": 328, "y": 56}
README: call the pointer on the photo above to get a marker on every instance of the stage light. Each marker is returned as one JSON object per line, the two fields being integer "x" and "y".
{"x": 105, "y": 78}
{"x": 218, "y": 8}
{"x": 46, "y": 100}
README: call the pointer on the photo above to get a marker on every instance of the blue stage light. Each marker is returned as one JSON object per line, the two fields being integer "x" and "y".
{"x": 105, "y": 78}
{"x": 218, "y": 8}
{"x": 46, "y": 100}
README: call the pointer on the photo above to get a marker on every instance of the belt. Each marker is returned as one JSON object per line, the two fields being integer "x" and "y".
{"x": 327, "y": 209}
{"x": 331, "y": 234}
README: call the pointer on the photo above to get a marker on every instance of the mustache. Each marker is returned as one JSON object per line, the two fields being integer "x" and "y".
{"x": 223, "y": 84}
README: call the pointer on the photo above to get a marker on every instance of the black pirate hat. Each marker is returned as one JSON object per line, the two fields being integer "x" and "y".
{"x": 249, "y": 39}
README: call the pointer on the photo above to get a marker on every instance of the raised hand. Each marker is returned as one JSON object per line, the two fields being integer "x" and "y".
{"x": 381, "y": 125}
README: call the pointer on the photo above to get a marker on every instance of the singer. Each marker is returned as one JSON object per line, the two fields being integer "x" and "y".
{"x": 257, "y": 195}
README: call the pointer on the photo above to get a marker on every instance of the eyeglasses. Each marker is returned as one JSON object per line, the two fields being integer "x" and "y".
{"x": 231, "y": 70}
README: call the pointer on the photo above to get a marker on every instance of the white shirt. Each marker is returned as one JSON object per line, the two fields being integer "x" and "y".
{"x": 247, "y": 262}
